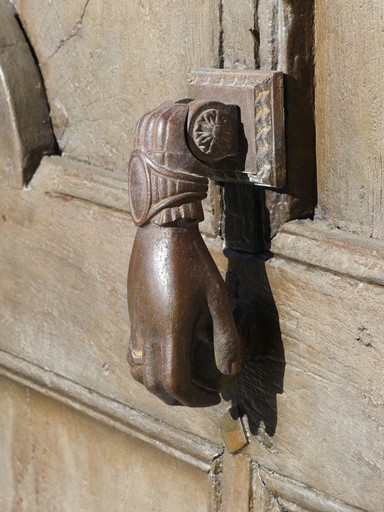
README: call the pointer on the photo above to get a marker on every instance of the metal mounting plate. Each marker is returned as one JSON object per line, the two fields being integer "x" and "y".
{"x": 260, "y": 96}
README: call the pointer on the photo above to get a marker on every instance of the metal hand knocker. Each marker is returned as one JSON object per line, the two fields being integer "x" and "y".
{"x": 184, "y": 345}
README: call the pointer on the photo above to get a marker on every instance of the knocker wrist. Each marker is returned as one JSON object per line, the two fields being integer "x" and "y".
{"x": 163, "y": 195}
{"x": 179, "y": 216}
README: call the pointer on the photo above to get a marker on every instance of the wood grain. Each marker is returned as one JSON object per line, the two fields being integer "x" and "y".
{"x": 330, "y": 413}
{"x": 350, "y": 114}
{"x": 59, "y": 459}
{"x": 107, "y": 63}
{"x": 64, "y": 307}
{"x": 64, "y": 261}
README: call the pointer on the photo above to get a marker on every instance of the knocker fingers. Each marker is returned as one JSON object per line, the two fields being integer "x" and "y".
{"x": 135, "y": 359}
{"x": 153, "y": 378}
{"x": 143, "y": 361}
{"x": 177, "y": 372}
{"x": 228, "y": 346}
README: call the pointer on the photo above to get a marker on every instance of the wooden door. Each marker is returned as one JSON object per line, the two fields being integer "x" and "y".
{"x": 77, "y": 432}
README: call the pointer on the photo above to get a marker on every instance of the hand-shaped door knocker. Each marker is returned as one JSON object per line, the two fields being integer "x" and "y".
{"x": 184, "y": 346}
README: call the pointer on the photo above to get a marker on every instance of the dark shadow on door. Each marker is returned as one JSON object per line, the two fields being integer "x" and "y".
{"x": 255, "y": 392}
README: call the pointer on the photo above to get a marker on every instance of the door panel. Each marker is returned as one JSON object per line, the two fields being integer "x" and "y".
{"x": 311, "y": 395}
{"x": 350, "y": 149}
{"x": 56, "y": 458}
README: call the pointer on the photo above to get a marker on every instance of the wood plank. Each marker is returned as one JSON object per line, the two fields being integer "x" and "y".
{"x": 296, "y": 497}
{"x": 320, "y": 245}
{"x": 18, "y": 475}
{"x": 236, "y": 483}
{"x": 350, "y": 114}
{"x": 239, "y": 48}
{"x": 316, "y": 409}
{"x": 64, "y": 460}
{"x": 64, "y": 266}
{"x": 179, "y": 444}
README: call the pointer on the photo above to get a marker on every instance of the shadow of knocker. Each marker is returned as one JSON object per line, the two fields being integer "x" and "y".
{"x": 255, "y": 391}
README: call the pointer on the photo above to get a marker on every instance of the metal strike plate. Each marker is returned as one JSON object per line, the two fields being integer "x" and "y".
{"x": 260, "y": 96}
{"x": 232, "y": 430}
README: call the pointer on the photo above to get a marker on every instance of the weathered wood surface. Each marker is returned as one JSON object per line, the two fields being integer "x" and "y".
{"x": 350, "y": 114}
{"x": 187, "y": 447}
{"x": 282, "y": 40}
{"x": 64, "y": 259}
{"x": 54, "y": 458}
{"x": 238, "y": 47}
{"x": 101, "y": 78}
{"x": 237, "y": 490}
{"x": 273, "y": 492}
{"x": 107, "y": 63}
{"x": 64, "y": 262}
{"x": 319, "y": 244}
{"x": 26, "y": 133}
{"x": 322, "y": 421}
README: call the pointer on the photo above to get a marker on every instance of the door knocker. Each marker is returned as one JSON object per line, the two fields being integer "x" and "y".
{"x": 184, "y": 345}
